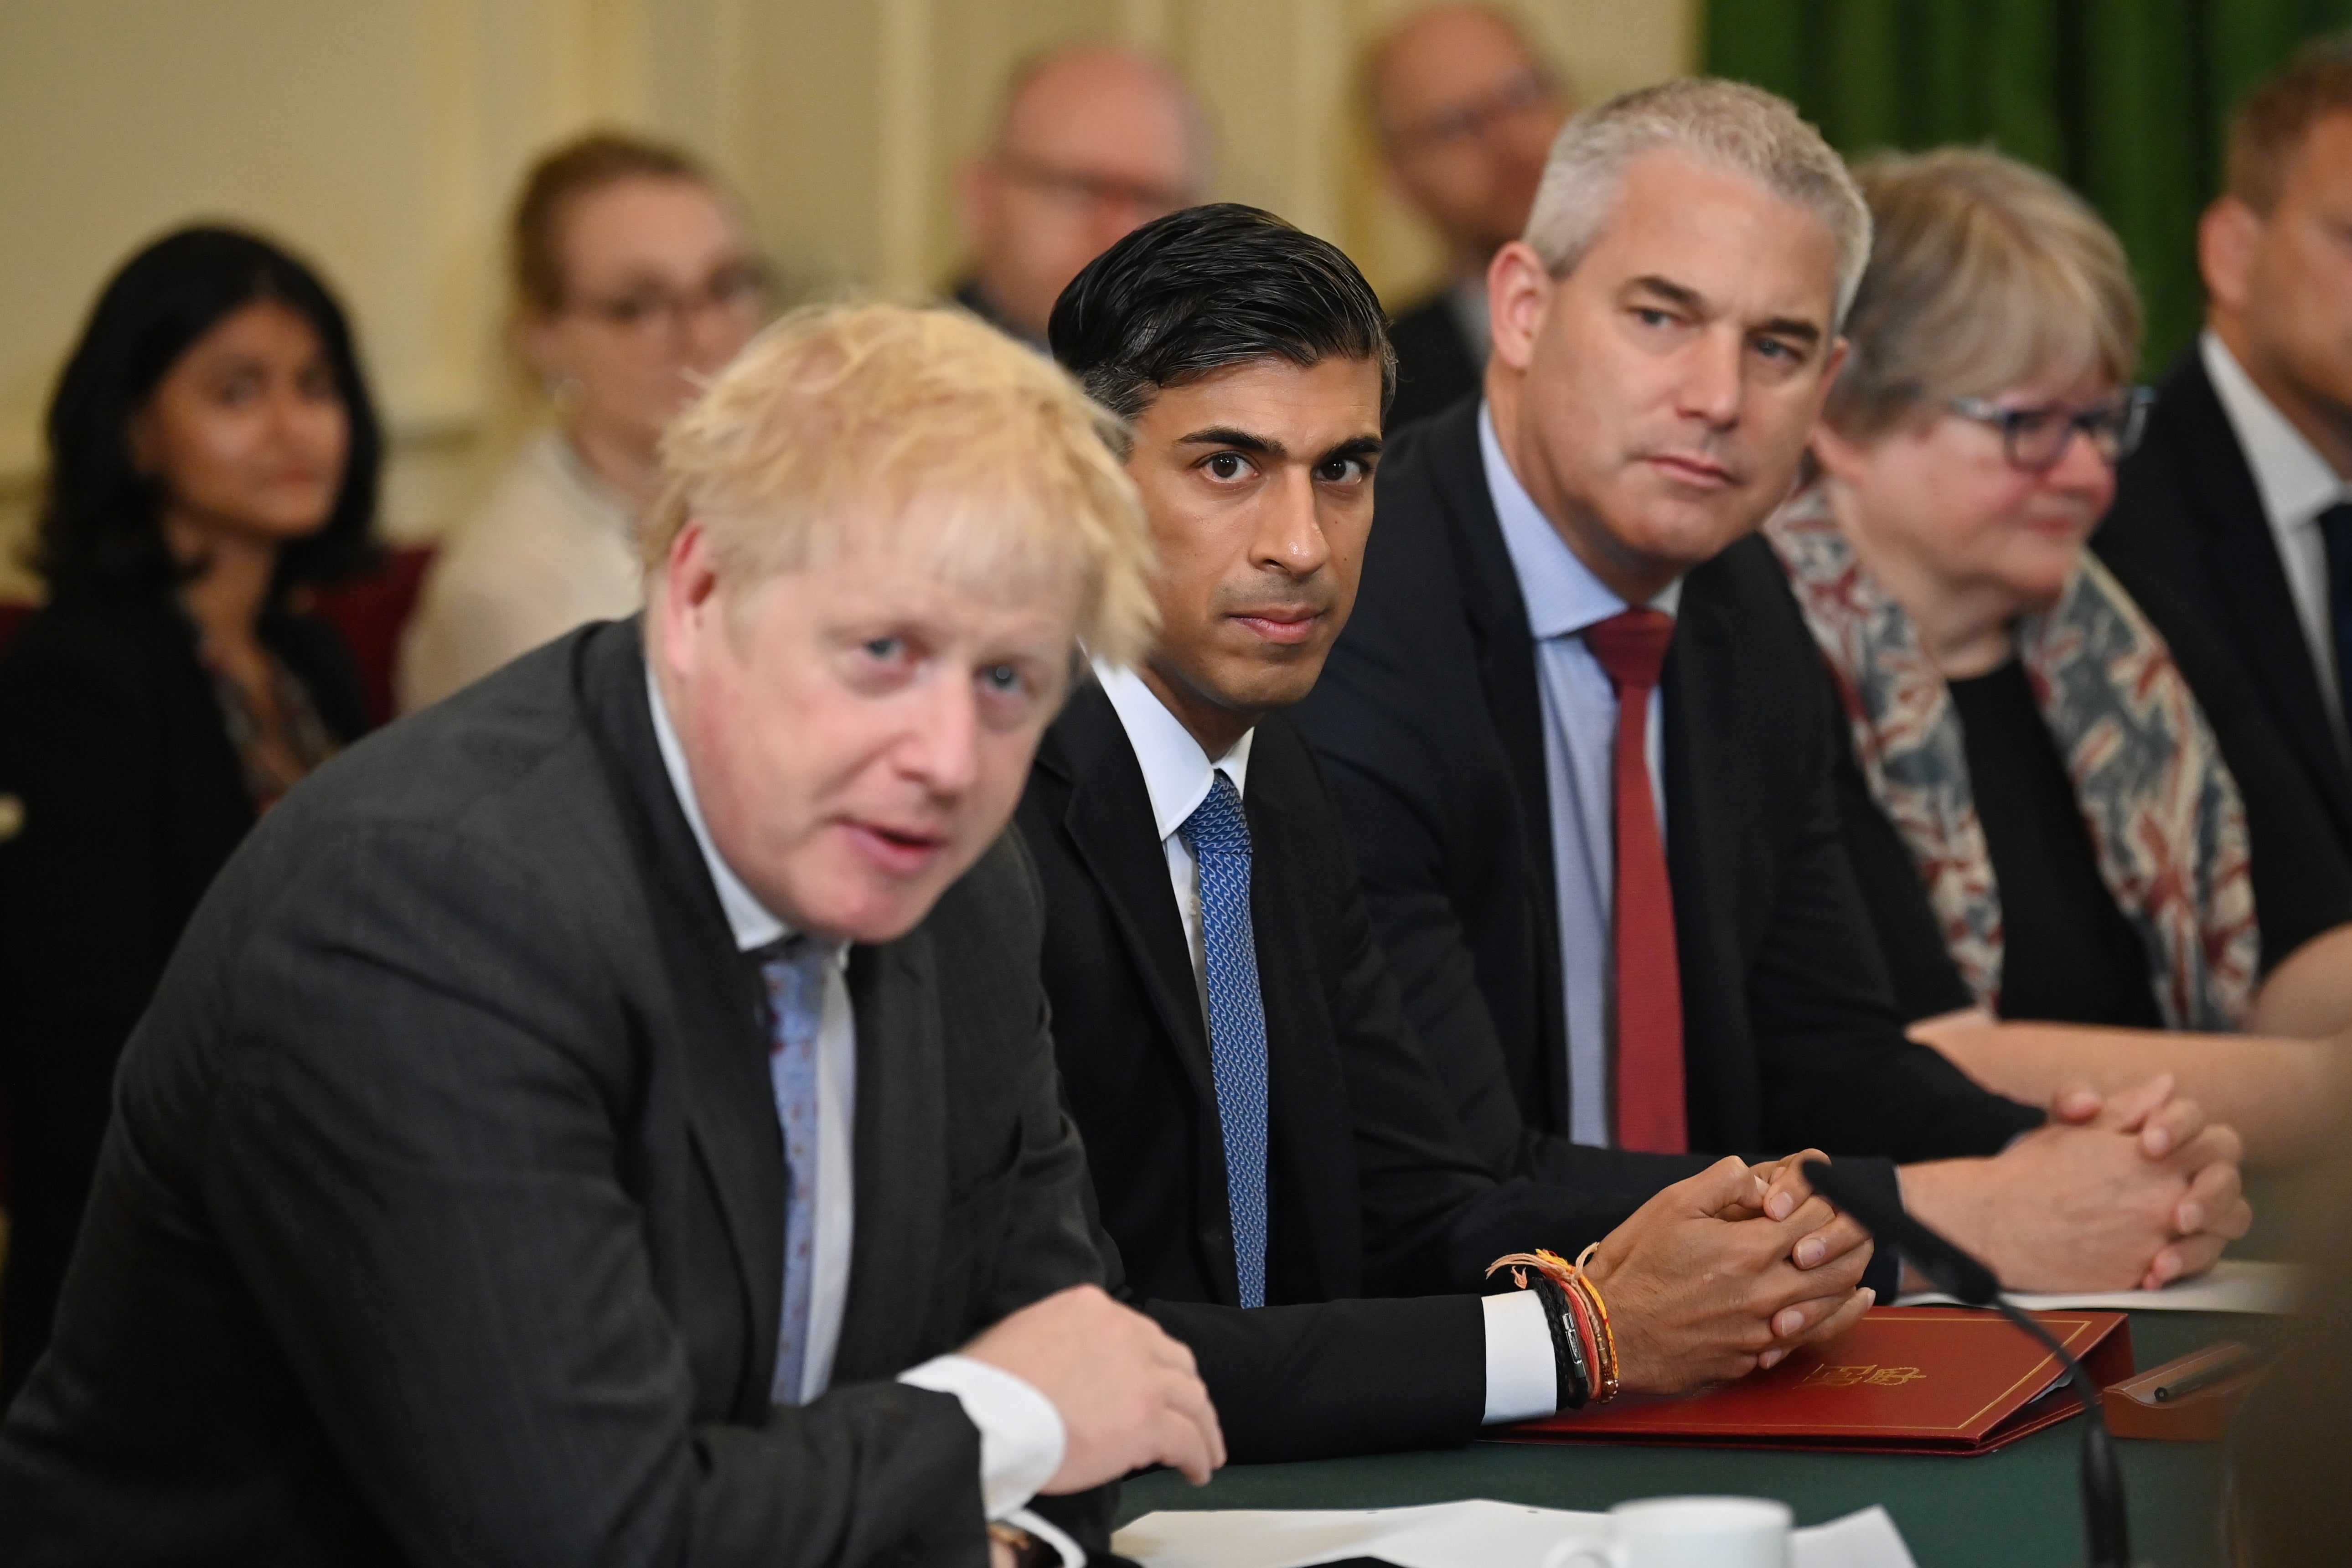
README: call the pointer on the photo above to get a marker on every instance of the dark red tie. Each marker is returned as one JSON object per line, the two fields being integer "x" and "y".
{"x": 1631, "y": 648}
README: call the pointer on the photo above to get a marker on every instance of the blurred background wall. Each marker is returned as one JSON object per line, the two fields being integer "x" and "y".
{"x": 383, "y": 138}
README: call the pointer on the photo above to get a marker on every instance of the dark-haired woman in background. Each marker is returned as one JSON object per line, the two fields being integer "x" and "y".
{"x": 212, "y": 447}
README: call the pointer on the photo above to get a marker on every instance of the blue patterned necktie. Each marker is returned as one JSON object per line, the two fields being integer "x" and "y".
{"x": 793, "y": 971}
{"x": 1218, "y": 836}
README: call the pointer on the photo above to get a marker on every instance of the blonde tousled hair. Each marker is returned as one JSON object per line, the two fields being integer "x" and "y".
{"x": 872, "y": 423}
{"x": 1984, "y": 272}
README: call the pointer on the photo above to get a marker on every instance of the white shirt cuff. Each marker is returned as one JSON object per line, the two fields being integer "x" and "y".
{"x": 1522, "y": 1369}
{"x": 1020, "y": 1436}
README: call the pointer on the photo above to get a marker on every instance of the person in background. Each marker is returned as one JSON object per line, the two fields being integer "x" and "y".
{"x": 1092, "y": 141}
{"x": 1579, "y": 738}
{"x": 2061, "y": 798}
{"x": 212, "y": 447}
{"x": 611, "y": 1117}
{"x": 633, "y": 282}
{"x": 1463, "y": 110}
{"x": 2239, "y": 498}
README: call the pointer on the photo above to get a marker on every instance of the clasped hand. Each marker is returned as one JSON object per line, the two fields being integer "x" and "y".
{"x": 2131, "y": 1191}
{"x": 1726, "y": 1272}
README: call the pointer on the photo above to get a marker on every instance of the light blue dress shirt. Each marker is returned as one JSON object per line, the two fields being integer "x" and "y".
{"x": 1580, "y": 732}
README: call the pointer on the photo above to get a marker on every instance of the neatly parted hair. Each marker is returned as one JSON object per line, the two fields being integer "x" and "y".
{"x": 100, "y": 524}
{"x": 1728, "y": 124}
{"x": 1206, "y": 288}
{"x": 556, "y": 182}
{"x": 1984, "y": 272}
{"x": 923, "y": 429}
{"x": 2267, "y": 129}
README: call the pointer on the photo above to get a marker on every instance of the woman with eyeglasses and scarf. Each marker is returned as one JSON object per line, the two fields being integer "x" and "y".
{"x": 2086, "y": 854}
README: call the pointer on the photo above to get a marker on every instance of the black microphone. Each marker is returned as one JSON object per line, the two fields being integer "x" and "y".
{"x": 1962, "y": 1276}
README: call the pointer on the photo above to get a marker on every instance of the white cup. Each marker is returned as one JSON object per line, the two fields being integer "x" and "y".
{"x": 1683, "y": 1532}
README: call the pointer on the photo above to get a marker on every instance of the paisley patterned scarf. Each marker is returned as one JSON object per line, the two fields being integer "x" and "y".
{"x": 2165, "y": 818}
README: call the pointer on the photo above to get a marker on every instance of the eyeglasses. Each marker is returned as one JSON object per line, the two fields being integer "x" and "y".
{"x": 1460, "y": 124}
{"x": 1078, "y": 189}
{"x": 2035, "y": 439}
{"x": 729, "y": 289}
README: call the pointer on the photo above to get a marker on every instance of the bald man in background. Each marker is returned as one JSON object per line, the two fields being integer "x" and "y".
{"x": 1465, "y": 112}
{"x": 1093, "y": 142}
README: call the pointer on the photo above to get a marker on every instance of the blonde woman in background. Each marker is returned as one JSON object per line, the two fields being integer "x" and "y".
{"x": 2086, "y": 855}
{"x": 632, "y": 278}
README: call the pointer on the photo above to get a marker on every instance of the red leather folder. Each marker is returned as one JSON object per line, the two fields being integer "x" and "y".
{"x": 1905, "y": 1379}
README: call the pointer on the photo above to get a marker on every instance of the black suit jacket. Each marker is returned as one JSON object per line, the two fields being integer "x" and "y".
{"x": 1436, "y": 365}
{"x": 1428, "y": 722}
{"x": 1373, "y": 1190}
{"x": 440, "y": 1218}
{"x": 114, "y": 743}
{"x": 2188, "y": 513}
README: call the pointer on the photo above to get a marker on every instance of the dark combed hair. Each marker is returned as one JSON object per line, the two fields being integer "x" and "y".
{"x": 1209, "y": 286}
{"x": 100, "y": 524}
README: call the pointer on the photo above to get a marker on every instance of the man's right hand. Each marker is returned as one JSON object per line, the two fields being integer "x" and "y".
{"x": 1128, "y": 1395}
{"x": 1695, "y": 1299}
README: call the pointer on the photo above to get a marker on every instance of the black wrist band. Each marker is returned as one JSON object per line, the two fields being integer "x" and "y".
{"x": 1567, "y": 1355}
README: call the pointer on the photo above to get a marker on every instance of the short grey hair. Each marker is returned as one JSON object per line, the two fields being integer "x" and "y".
{"x": 1728, "y": 124}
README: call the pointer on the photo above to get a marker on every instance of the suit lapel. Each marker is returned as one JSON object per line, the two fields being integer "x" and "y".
{"x": 901, "y": 1154}
{"x": 2242, "y": 555}
{"x": 1110, "y": 821}
{"x": 1299, "y": 1078}
{"x": 730, "y": 1100}
{"x": 1506, "y": 671}
{"x": 1698, "y": 718}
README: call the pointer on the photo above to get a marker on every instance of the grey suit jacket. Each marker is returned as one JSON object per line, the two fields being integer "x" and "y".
{"x": 440, "y": 1215}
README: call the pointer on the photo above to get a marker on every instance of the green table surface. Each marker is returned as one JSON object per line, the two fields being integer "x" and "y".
{"x": 2018, "y": 1507}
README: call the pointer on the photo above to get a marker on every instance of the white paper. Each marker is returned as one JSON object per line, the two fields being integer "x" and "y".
{"x": 2232, "y": 1285}
{"x": 1475, "y": 1534}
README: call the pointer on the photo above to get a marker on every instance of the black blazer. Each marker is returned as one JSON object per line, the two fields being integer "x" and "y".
{"x": 2188, "y": 513}
{"x": 1428, "y": 723}
{"x": 1373, "y": 1190}
{"x": 1436, "y": 365}
{"x": 440, "y": 1218}
{"x": 114, "y": 744}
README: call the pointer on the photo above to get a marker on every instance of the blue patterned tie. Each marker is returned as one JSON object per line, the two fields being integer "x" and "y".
{"x": 795, "y": 972}
{"x": 1218, "y": 836}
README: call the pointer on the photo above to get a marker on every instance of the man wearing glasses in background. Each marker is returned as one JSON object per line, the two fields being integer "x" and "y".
{"x": 1465, "y": 113}
{"x": 1093, "y": 142}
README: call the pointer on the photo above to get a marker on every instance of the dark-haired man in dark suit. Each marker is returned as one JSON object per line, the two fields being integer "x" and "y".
{"x": 1575, "y": 729}
{"x": 1262, "y": 1128}
{"x": 2240, "y": 496}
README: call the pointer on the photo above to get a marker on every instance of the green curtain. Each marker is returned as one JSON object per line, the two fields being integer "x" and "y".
{"x": 2125, "y": 100}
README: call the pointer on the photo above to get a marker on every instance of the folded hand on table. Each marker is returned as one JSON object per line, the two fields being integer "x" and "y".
{"x": 1704, "y": 1283}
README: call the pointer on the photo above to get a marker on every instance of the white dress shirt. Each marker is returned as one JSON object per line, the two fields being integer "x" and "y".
{"x": 1580, "y": 733}
{"x": 1022, "y": 1440}
{"x": 2296, "y": 485}
{"x": 1522, "y": 1376}
{"x": 554, "y": 548}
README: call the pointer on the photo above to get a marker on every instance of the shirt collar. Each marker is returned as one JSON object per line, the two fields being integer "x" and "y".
{"x": 1562, "y": 595}
{"x": 1177, "y": 774}
{"x": 748, "y": 919}
{"x": 2295, "y": 482}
